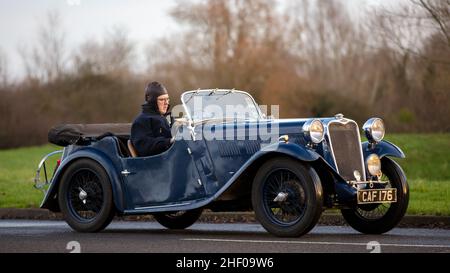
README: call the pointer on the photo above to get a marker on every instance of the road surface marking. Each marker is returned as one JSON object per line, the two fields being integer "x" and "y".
{"x": 310, "y": 243}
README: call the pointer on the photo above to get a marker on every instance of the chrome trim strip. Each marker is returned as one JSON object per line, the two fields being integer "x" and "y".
{"x": 47, "y": 156}
{"x": 344, "y": 122}
{"x": 368, "y": 182}
{"x": 185, "y": 107}
{"x": 163, "y": 206}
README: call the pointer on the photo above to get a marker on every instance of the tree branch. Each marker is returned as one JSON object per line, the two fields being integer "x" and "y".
{"x": 437, "y": 19}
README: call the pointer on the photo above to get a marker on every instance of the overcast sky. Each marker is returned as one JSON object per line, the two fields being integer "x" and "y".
{"x": 84, "y": 19}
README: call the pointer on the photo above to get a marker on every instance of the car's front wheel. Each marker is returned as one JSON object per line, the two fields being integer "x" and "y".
{"x": 287, "y": 197}
{"x": 178, "y": 219}
{"x": 85, "y": 196}
{"x": 380, "y": 218}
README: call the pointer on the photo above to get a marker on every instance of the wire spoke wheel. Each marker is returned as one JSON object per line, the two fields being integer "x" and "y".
{"x": 85, "y": 195}
{"x": 287, "y": 197}
{"x": 380, "y": 218}
{"x": 292, "y": 208}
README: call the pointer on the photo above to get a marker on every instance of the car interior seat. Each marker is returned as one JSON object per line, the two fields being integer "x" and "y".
{"x": 120, "y": 142}
{"x": 131, "y": 149}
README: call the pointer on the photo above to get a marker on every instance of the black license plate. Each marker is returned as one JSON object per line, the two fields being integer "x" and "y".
{"x": 377, "y": 196}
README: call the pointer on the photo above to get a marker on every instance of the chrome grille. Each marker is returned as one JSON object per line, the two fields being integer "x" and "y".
{"x": 346, "y": 147}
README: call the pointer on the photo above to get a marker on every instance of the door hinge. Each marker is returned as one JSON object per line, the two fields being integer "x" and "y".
{"x": 125, "y": 172}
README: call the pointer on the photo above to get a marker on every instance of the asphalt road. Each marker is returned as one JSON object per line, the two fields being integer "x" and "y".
{"x": 149, "y": 237}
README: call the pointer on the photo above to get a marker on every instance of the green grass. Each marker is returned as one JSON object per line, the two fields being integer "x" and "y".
{"x": 427, "y": 155}
{"x": 429, "y": 197}
{"x": 17, "y": 170}
{"x": 427, "y": 166}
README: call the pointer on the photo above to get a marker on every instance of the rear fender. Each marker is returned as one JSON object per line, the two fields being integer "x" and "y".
{"x": 50, "y": 200}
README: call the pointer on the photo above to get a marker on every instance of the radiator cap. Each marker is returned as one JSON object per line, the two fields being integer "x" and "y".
{"x": 339, "y": 116}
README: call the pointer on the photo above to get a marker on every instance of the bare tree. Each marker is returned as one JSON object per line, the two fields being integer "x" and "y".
{"x": 438, "y": 12}
{"x": 4, "y": 73}
{"x": 412, "y": 41}
{"x": 330, "y": 54}
{"x": 222, "y": 37}
{"x": 113, "y": 55}
{"x": 407, "y": 28}
{"x": 311, "y": 58}
{"x": 47, "y": 60}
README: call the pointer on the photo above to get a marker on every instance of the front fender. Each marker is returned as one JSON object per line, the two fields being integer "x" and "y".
{"x": 382, "y": 149}
{"x": 290, "y": 149}
{"x": 50, "y": 200}
{"x": 281, "y": 148}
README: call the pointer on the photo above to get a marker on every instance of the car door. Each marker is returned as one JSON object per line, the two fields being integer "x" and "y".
{"x": 231, "y": 147}
{"x": 167, "y": 178}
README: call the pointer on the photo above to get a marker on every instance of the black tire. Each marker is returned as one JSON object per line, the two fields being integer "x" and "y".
{"x": 381, "y": 218}
{"x": 302, "y": 207}
{"x": 178, "y": 219}
{"x": 85, "y": 196}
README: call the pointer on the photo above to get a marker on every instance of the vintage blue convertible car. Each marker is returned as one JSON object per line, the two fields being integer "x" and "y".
{"x": 229, "y": 156}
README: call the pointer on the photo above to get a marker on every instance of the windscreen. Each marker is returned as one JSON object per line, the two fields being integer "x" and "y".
{"x": 220, "y": 104}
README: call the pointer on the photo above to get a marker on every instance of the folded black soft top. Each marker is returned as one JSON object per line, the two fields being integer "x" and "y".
{"x": 68, "y": 134}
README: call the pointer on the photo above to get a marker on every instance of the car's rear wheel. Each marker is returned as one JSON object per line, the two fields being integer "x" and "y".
{"x": 178, "y": 219}
{"x": 85, "y": 196}
{"x": 287, "y": 197}
{"x": 380, "y": 218}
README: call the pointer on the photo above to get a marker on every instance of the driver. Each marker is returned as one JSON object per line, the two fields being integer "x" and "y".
{"x": 150, "y": 132}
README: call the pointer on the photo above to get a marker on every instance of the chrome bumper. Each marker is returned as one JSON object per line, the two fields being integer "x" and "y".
{"x": 38, "y": 184}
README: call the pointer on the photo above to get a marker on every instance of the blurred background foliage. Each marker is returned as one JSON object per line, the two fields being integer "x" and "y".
{"x": 310, "y": 57}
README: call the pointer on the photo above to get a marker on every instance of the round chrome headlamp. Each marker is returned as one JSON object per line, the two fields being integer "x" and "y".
{"x": 314, "y": 131}
{"x": 374, "y": 129}
{"x": 374, "y": 165}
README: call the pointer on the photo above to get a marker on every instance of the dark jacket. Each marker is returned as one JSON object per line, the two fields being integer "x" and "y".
{"x": 150, "y": 132}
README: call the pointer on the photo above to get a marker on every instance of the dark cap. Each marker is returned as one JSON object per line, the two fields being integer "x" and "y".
{"x": 154, "y": 90}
